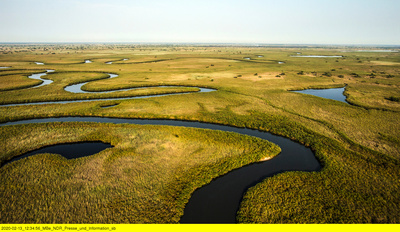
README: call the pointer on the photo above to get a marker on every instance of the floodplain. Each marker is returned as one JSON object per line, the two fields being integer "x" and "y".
{"x": 151, "y": 171}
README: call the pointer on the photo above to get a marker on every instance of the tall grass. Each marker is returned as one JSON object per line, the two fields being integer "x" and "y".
{"x": 147, "y": 177}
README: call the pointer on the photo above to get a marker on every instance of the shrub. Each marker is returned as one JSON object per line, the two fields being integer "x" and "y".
{"x": 392, "y": 98}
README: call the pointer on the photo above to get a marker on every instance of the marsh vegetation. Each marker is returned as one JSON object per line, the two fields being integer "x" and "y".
{"x": 151, "y": 172}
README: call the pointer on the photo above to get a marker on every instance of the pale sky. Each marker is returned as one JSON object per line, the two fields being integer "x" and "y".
{"x": 202, "y": 21}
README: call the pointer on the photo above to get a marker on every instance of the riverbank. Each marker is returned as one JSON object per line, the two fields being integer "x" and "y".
{"x": 167, "y": 164}
{"x": 358, "y": 144}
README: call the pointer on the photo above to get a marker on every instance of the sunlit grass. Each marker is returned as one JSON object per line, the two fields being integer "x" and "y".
{"x": 146, "y": 177}
{"x": 358, "y": 144}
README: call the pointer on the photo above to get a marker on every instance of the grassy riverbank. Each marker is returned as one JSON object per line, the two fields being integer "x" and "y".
{"x": 358, "y": 143}
{"x": 147, "y": 177}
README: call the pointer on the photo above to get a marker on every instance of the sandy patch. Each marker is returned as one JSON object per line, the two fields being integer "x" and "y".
{"x": 265, "y": 159}
{"x": 385, "y": 62}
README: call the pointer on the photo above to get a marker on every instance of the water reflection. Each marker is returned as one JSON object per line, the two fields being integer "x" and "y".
{"x": 334, "y": 94}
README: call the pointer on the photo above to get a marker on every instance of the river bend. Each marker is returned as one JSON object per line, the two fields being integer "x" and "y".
{"x": 218, "y": 201}
{"x": 77, "y": 88}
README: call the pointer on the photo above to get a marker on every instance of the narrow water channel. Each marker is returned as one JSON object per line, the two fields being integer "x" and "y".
{"x": 218, "y": 202}
{"x": 77, "y": 88}
{"x": 38, "y": 76}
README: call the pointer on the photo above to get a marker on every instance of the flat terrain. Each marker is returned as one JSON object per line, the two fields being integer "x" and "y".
{"x": 151, "y": 172}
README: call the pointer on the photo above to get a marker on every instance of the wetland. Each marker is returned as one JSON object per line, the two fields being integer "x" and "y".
{"x": 183, "y": 123}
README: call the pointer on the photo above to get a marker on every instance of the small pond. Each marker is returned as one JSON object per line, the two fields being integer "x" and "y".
{"x": 4, "y": 67}
{"x": 68, "y": 150}
{"x": 88, "y": 61}
{"x": 334, "y": 94}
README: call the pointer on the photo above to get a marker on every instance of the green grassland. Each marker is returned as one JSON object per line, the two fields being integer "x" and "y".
{"x": 152, "y": 170}
{"x": 147, "y": 176}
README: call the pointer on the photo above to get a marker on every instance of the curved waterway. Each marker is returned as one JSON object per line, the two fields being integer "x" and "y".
{"x": 77, "y": 88}
{"x": 38, "y": 76}
{"x": 110, "y": 62}
{"x": 218, "y": 201}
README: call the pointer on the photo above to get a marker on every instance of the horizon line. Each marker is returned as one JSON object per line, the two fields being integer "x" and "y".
{"x": 215, "y": 43}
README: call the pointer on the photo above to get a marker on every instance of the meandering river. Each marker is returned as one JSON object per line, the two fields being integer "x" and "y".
{"x": 218, "y": 201}
{"x": 77, "y": 88}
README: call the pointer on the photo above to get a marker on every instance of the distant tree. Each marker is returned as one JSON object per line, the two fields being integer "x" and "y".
{"x": 328, "y": 74}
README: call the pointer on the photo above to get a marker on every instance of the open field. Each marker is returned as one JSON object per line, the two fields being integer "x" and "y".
{"x": 150, "y": 174}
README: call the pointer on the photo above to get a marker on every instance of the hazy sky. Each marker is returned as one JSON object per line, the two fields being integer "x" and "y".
{"x": 202, "y": 21}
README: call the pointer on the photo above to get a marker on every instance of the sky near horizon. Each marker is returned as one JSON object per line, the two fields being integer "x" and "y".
{"x": 205, "y": 21}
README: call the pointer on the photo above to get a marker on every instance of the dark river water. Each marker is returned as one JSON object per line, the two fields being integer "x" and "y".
{"x": 68, "y": 150}
{"x": 218, "y": 201}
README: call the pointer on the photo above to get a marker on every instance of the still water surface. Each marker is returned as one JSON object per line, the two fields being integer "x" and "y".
{"x": 218, "y": 201}
{"x": 68, "y": 150}
{"x": 334, "y": 94}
